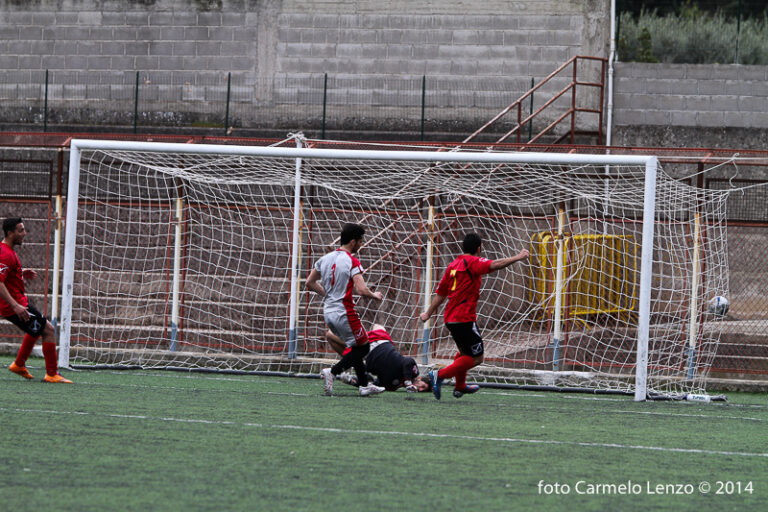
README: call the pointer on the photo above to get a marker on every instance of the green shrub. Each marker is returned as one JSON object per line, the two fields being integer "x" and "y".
{"x": 692, "y": 36}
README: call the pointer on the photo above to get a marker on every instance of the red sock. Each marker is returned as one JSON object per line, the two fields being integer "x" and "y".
{"x": 461, "y": 378}
{"x": 455, "y": 358}
{"x": 49, "y": 353}
{"x": 27, "y": 344}
{"x": 458, "y": 376}
{"x": 461, "y": 365}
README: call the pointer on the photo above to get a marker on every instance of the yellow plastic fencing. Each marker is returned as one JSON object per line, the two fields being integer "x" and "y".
{"x": 601, "y": 274}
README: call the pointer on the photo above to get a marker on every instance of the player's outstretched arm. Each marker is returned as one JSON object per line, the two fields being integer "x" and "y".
{"x": 437, "y": 300}
{"x": 505, "y": 262}
{"x": 313, "y": 282}
{"x": 362, "y": 289}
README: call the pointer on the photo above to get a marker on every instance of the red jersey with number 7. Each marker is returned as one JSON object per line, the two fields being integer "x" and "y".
{"x": 10, "y": 276}
{"x": 461, "y": 284}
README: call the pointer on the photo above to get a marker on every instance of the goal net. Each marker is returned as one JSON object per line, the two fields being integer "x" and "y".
{"x": 195, "y": 256}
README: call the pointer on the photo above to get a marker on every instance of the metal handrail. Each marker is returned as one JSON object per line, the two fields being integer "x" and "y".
{"x": 518, "y": 104}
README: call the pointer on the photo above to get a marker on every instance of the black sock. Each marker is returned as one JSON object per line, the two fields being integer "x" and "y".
{"x": 354, "y": 359}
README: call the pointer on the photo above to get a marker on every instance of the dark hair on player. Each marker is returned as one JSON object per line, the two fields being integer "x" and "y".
{"x": 10, "y": 224}
{"x": 351, "y": 232}
{"x": 427, "y": 380}
{"x": 471, "y": 243}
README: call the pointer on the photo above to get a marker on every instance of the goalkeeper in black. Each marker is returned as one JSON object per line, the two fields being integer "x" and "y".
{"x": 388, "y": 367}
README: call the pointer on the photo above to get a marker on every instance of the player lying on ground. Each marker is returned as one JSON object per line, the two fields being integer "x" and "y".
{"x": 15, "y": 306}
{"x": 461, "y": 286}
{"x": 388, "y": 367}
{"x": 335, "y": 276}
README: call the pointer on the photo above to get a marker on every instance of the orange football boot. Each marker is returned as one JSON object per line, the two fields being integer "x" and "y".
{"x": 57, "y": 379}
{"x": 20, "y": 370}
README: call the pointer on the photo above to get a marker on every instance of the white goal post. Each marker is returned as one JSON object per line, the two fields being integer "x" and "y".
{"x": 194, "y": 255}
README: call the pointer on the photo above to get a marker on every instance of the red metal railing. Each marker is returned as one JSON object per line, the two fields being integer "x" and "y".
{"x": 570, "y": 114}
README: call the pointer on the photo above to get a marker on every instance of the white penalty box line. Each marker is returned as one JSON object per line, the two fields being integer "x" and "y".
{"x": 365, "y": 432}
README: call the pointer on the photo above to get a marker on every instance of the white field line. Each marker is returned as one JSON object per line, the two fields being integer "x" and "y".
{"x": 364, "y": 432}
{"x": 521, "y": 394}
{"x": 517, "y": 406}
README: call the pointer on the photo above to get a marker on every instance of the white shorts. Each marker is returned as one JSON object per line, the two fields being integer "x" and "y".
{"x": 346, "y": 325}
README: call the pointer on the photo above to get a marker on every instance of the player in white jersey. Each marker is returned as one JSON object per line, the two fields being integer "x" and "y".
{"x": 335, "y": 276}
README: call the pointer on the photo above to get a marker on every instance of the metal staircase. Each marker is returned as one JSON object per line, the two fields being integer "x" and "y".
{"x": 572, "y": 111}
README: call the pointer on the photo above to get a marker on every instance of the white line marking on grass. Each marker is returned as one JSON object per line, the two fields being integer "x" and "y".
{"x": 681, "y": 415}
{"x": 563, "y": 396}
{"x": 650, "y": 413}
{"x": 395, "y": 433}
{"x": 178, "y": 375}
{"x": 506, "y": 394}
{"x": 653, "y": 413}
{"x": 521, "y": 393}
{"x": 176, "y": 388}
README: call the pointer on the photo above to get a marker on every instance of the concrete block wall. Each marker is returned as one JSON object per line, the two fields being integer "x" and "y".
{"x": 450, "y": 38}
{"x": 477, "y": 57}
{"x": 461, "y": 44}
{"x": 717, "y": 105}
{"x": 704, "y": 95}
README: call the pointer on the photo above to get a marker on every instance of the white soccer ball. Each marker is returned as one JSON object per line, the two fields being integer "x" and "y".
{"x": 719, "y": 305}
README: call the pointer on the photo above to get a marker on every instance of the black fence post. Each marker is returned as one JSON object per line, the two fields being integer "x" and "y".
{"x": 226, "y": 115}
{"x": 325, "y": 101}
{"x": 738, "y": 34}
{"x": 45, "y": 105}
{"x": 136, "y": 105}
{"x": 423, "y": 102}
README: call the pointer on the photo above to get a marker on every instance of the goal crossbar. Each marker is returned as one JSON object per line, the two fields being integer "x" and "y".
{"x": 364, "y": 154}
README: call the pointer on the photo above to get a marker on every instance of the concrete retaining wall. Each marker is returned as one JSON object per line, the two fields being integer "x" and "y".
{"x": 477, "y": 57}
{"x": 696, "y": 105}
{"x": 488, "y": 51}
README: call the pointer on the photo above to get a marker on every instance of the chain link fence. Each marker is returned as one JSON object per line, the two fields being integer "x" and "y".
{"x": 426, "y": 107}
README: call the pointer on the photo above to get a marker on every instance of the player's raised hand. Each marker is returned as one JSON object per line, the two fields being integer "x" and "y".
{"x": 524, "y": 254}
{"x": 378, "y": 295}
{"x": 424, "y": 317}
{"x": 28, "y": 273}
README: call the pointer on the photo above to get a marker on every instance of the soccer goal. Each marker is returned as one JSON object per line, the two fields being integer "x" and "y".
{"x": 194, "y": 256}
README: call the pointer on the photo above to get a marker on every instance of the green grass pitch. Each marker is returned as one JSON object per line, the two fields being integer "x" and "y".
{"x": 154, "y": 440}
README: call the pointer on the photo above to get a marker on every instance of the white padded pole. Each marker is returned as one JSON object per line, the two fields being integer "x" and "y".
{"x": 557, "y": 336}
{"x": 175, "y": 295}
{"x": 646, "y": 270}
{"x": 73, "y": 193}
{"x": 294, "y": 312}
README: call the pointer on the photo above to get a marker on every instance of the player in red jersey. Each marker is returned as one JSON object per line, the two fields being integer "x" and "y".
{"x": 461, "y": 286}
{"x": 15, "y": 307}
